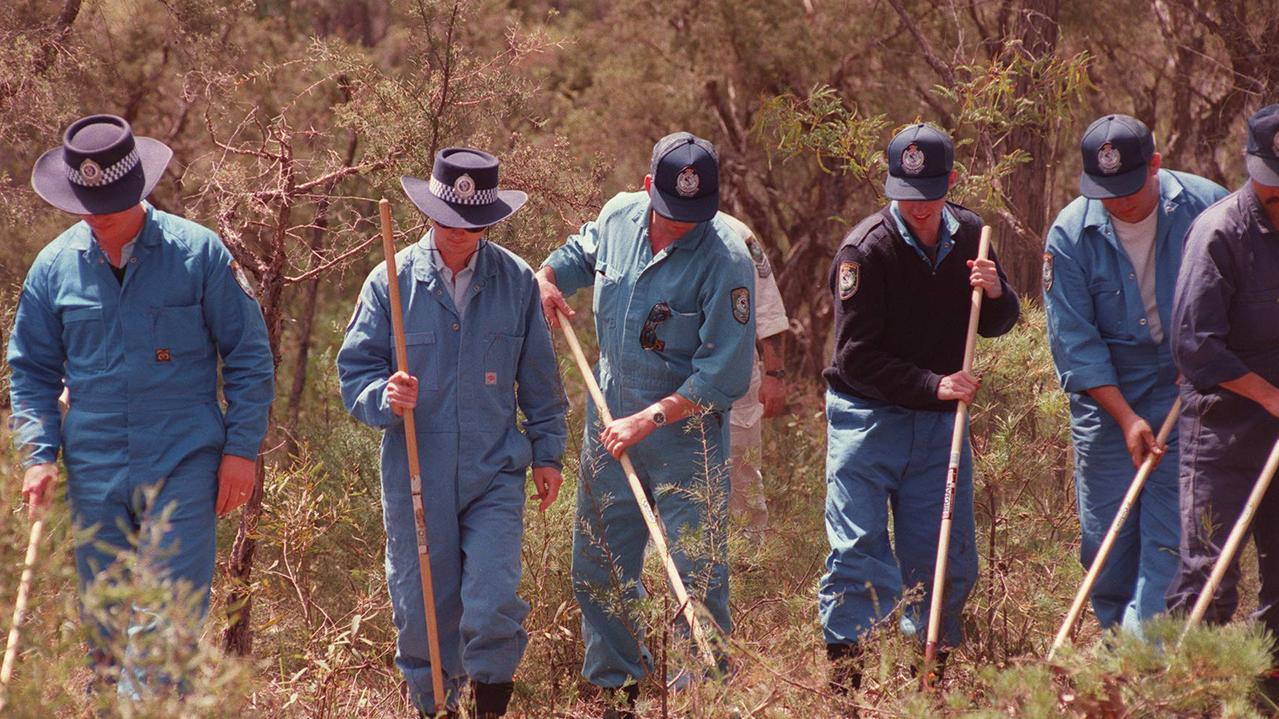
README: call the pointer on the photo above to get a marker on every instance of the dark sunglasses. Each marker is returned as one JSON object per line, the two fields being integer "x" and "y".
{"x": 648, "y": 334}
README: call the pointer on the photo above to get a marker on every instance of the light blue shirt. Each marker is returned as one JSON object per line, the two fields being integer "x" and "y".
{"x": 706, "y": 279}
{"x": 1098, "y": 329}
{"x": 945, "y": 234}
{"x": 459, "y": 285}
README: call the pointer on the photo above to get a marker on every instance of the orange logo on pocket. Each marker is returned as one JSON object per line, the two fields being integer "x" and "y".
{"x": 490, "y": 378}
{"x": 162, "y": 355}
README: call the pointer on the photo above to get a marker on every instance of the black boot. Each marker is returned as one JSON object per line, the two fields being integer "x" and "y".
{"x": 491, "y": 699}
{"x": 845, "y": 668}
{"x": 626, "y": 697}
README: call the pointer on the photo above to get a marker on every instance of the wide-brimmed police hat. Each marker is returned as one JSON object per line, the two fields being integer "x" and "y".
{"x": 101, "y": 168}
{"x": 463, "y": 191}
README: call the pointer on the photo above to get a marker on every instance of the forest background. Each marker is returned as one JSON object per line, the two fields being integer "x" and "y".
{"x": 290, "y": 118}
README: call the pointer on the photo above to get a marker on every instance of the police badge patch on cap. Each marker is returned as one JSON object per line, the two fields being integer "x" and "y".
{"x": 741, "y": 305}
{"x": 687, "y": 183}
{"x": 242, "y": 280}
{"x": 850, "y": 276}
{"x": 1108, "y": 159}
{"x": 913, "y": 159}
{"x": 1048, "y": 271}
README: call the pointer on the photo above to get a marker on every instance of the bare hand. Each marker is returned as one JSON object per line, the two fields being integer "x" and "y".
{"x": 772, "y": 394}
{"x": 622, "y": 434}
{"x": 962, "y": 386}
{"x": 401, "y": 393}
{"x": 552, "y": 299}
{"x": 236, "y": 478}
{"x": 986, "y": 276}
{"x": 37, "y": 487}
{"x": 1141, "y": 441}
{"x": 548, "y": 481}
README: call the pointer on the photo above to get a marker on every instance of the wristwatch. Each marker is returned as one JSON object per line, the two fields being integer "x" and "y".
{"x": 658, "y": 417}
{"x": 778, "y": 373}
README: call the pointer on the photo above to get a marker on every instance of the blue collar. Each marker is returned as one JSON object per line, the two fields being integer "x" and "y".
{"x": 642, "y": 214}
{"x": 1095, "y": 214}
{"x": 425, "y": 267}
{"x": 945, "y": 233}
{"x": 149, "y": 235}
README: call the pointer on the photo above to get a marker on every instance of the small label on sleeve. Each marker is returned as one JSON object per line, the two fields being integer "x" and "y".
{"x": 1048, "y": 271}
{"x": 741, "y": 305}
{"x": 242, "y": 279}
{"x": 850, "y": 278}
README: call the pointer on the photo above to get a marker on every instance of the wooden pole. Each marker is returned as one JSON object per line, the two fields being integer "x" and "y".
{"x": 1236, "y": 537}
{"x": 958, "y": 437}
{"x": 1108, "y": 543}
{"x": 637, "y": 489}
{"x": 20, "y": 606}
{"x": 415, "y": 470}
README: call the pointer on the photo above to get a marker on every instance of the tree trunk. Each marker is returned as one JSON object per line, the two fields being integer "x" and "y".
{"x": 1028, "y": 200}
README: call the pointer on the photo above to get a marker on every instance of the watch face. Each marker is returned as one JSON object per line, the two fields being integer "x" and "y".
{"x": 659, "y": 418}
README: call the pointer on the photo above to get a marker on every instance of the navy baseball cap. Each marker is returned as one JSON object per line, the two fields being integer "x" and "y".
{"x": 685, "y": 172}
{"x": 1262, "y": 154}
{"x": 920, "y": 159}
{"x": 1117, "y": 151}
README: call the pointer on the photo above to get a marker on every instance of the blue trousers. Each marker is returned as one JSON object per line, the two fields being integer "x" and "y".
{"x": 880, "y": 458}
{"x": 122, "y": 481}
{"x": 688, "y": 482}
{"x": 475, "y": 525}
{"x": 1130, "y": 589}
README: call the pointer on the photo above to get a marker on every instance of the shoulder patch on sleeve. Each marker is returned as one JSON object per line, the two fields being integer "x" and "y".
{"x": 242, "y": 279}
{"x": 741, "y": 305}
{"x": 762, "y": 267}
{"x": 1048, "y": 271}
{"x": 850, "y": 278}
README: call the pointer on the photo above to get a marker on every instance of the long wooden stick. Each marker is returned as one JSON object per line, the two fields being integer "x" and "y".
{"x": 646, "y": 511}
{"x": 20, "y": 608}
{"x": 1236, "y": 537}
{"x": 958, "y": 437}
{"x": 1108, "y": 543}
{"x": 415, "y": 470}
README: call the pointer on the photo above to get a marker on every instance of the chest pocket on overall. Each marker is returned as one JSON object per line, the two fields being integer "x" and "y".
{"x": 501, "y": 362}
{"x": 84, "y": 337}
{"x": 423, "y": 360}
{"x": 1254, "y": 320}
{"x": 179, "y": 333}
{"x": 1108, "y": 309}
{"x": 679, "y": 333}
{"x": 608, "y": 293}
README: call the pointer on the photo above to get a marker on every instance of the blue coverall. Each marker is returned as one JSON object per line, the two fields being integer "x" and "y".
{"x": 473, "y": 375}
{"x": 1225, "y": 324}
{"x": 1099, "y": 335}
{"x": 901, "y": 319}
{"x": 700, "y": 345}
{"x": 140, "y": 359}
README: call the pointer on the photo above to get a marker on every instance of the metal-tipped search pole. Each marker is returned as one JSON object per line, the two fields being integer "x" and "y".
{"x": 650, "y": 519}
{"x": 20, "y": 607}
{"x": 1103, "y": 552}
{"x": 415, "y": 470}
{"x": 952, "y": 480}
{"x": 1237, "y": 535}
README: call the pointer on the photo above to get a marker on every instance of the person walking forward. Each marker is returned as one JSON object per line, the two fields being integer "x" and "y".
{"x": 676, "y": 328}
{"x": 479, "y": 351}
{"x": 1225, "y": 341}
{"x": 1110, "y": 265}
{"x": 132, "y": 309}
{"x": 900, "y": 282}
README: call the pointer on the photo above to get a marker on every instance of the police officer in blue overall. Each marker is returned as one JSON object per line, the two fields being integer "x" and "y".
{"x": 1110, "y": 265}
{"x": 1225, "y": 341}
{"x": 479, "y": 351}
{"x": 131, "y": 310}
{"x": 676, "y": 331}
{"x": 901, "y": 282}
